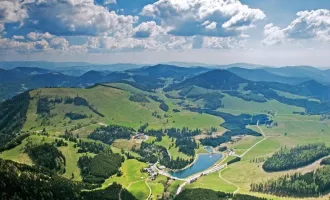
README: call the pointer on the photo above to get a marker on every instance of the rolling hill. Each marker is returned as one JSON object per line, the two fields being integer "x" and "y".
{"x": 302, "y": 72}
{"x": 168, "y": 71}
{"x": 263, "y": 75}
{"x": 181, "y": 111}
{"x": 215, "y": 79}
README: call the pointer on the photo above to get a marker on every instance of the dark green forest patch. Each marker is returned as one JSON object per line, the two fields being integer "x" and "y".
{"x": 12, "y": 117}
{"x": 102, "y": 166}
{"x": 296, "y": 157}
{"x": 48, "y": 156}
{"x": 108, "y": 134}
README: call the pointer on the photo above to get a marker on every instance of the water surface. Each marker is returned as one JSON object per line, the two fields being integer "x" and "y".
{"x": 203, "y": 162}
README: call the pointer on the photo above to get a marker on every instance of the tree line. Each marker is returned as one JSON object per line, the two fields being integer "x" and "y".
{"x": 20, "y": 181}
{"x": 12, "y": 117}
{"x": 200, "y": 193}
{"x": 108, "y": 134}
{"x": 100, "y": 167}
{"x": 296, "y": 157}
{"x": 310, "y": 184}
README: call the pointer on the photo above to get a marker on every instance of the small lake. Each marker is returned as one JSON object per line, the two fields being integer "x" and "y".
{"x": 203, "y": 162}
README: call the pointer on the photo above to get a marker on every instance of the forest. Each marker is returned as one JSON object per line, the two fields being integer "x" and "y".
{"x": 108, "y": 134}
{"x": 100, "y": 167}
{"x": 91, "y": 147}
{"x": 48, "y": 156}
{"x": 12, "y": 117}
{"x": 309, "y": 184}
{"x": 236, "y": 125}
{"x": 164, "y": 107}
{"x": 153, "y": 153}
{"x": 212, "y": 100}
{"x": 226, "y": 137}
{"x": 296, "y": 157}
{"x": 43, "y": 106}
{"x": 187, "y": 145}
{"x": 184, "y": 140}
{"x": 139, "y": 97}
{"x": 252, "y": 96}
{"x": 312, "y": 107}
{"x": 75, "y": 116}
{"x": 207, "y": 194}
{"x": 19, "y": 181}
{"x": 325, "y": 161}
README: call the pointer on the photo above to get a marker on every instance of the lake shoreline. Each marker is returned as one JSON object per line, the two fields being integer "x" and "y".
{"x": 196, "y": 158}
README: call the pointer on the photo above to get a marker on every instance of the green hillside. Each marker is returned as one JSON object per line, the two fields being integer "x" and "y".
{"x": 92, "y": 133}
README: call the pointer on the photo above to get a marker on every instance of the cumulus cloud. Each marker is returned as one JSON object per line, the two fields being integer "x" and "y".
{"x": 59, "y": 43}
{"x": 273, "y": 35}
{"x": 220, "y": 18}
{"x": 116, "y": 44}
{"x": 11, "y": 11}
{"x": 38, "y": 36}
{"x": 148, "y": 29}
{"x": 313, "y": 24}
{"x": 222, "y": 43}
{"x": 66, "y": 17}
{"x": 12, "y": 45}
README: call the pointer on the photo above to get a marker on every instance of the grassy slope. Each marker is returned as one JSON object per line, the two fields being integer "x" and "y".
{"x": 300, "y": 130}
{"x": 119, "y": 110}
{"x": 174, "y": 151}
{"x": 236, "y": 104}
{"x": 116, "y": 107}
{"x": 213, "y": 182}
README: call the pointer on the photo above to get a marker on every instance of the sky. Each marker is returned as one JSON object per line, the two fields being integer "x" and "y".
{"x": 268, "y": 32}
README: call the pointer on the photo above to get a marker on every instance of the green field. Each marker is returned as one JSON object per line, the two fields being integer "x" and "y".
{"x": 117, "y": 108}
{"x": 292, "y": 130}
{"x": 213, "y": 182}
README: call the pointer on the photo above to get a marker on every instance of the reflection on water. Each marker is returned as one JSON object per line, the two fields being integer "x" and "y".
{"x": 203, "y": 162}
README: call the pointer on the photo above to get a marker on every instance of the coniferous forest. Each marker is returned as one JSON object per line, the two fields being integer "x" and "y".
{"x": 309, "y": 184}
{"x": 100, "y": 167}
{"x": 296, "y": 157}
{"x": 48, "y": 156}
{"x": 19, "y": 181}
{"x": 110, "y": 133}
{"x": 12, "y": 117}
{"x": 206, "y": 194}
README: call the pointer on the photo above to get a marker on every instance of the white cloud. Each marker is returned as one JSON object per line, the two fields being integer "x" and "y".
{"x": 221, "y": 18}
{"x": 178, "y": 42}
{"x": 273, "y": 35}
{"x": 11, "y": 11}
{"x": 59, "y": 43}
{"x": 313, "y": 24}
{"x": 38, "y": 36}
{"x": 222, "y": 43}
{"x": 148, "y": 29}
{"x": 18, "y": 37}
{"x": 118, "y": 44}
{"x": 78, "y": 17}
{"x": 106, "y": 2}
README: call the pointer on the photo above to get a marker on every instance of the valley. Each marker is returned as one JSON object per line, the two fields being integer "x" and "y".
{"x": 164, "y": 120}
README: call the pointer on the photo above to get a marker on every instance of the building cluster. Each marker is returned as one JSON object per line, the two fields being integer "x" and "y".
{"x": 152, "y": 173}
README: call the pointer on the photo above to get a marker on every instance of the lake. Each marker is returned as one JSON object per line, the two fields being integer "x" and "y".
{"x": 203, "y": 162}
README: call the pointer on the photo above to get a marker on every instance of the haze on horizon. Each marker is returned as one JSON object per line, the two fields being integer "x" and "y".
{"x": 270, "y": 32}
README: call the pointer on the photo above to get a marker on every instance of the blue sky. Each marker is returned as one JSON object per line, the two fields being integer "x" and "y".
{"x": 271, "y": 32}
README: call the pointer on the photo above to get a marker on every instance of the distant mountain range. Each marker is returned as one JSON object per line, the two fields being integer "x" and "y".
{"x": 14, "y": 80}
{"x": 264, "y": 75}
